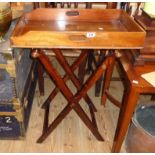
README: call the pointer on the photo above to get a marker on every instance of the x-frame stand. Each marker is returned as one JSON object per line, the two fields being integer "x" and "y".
{"x": 72, "y": 99}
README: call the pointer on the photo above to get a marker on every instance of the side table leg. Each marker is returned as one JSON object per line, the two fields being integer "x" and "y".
{"x": 124, "y": 119}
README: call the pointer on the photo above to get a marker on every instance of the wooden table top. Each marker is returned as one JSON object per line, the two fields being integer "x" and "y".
{"x": 133, "y": 73}
{"x": 78, "y": 28}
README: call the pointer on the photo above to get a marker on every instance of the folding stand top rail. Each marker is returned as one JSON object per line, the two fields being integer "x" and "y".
{"x": 76, "y": 29}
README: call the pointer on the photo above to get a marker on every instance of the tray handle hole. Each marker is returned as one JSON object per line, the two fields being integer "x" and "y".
{"x": 72, "y": 13}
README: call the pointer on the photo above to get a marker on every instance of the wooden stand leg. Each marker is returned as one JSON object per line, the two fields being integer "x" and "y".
{"x": 124, "y": 119}
{"x": 46, "y": 118}
{"x": 87, "y": 122}
{"x": 107, "y": 78}
{"x": 82, "y": 71}
{"x": 90, "y": 61}
{"x": 73, "y": 67}
{"x": 73, "y": 78}
{"x": 54, "y": 124}
{"x": 66, "y": 77}
{"x": 99, "y": 82}
{"x": 153, "y": 98}
{"x": 73, "y": 100}
{"x": 93, "y": 117}
{"x": 40, "y": 78}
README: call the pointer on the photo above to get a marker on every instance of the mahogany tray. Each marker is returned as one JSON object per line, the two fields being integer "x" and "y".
{"x": 78, "y": 28}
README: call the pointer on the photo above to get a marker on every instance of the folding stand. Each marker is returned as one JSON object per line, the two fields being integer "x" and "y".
{"x": 72, "y": 99}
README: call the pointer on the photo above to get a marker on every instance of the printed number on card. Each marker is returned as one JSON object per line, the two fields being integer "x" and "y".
{"x": 91, "y": 34}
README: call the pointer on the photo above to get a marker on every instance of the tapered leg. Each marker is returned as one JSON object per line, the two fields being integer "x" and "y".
{"x": 124, "y": 119}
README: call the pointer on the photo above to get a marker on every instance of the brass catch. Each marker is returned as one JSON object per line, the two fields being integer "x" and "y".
{"x": 16, "y": 103}
{"x": 18, "y": 114}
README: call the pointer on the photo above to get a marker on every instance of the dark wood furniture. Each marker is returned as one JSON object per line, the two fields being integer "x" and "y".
{"x": 108, "y": 5}
{"x": 130, "y": 9}
{"x": 94, "y": 58}
{"x": 147, "y": 22}
{"x": 147, "y": 54}
{"x": 134, "y": 63}
{"x": 82, "y": 67}
{"x": 75, "y": 29}
{"x": 134, "y": 86}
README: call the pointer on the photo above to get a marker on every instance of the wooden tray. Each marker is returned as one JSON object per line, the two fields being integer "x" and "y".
{"x": 77, "y": 28}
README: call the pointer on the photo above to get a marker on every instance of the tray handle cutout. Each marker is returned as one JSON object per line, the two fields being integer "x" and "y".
{"x": 79, "y": 38}
{"x": 72, "y": 13}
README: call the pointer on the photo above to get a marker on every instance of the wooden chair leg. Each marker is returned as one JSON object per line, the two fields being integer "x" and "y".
{"x": 40, "y": 78}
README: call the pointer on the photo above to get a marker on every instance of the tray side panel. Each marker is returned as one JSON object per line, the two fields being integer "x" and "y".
{"x": 129, "y": 23}
{"x": 73, "y": 14}
{"x": 123, "y": 32}
{"x": 107, "y": 40}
